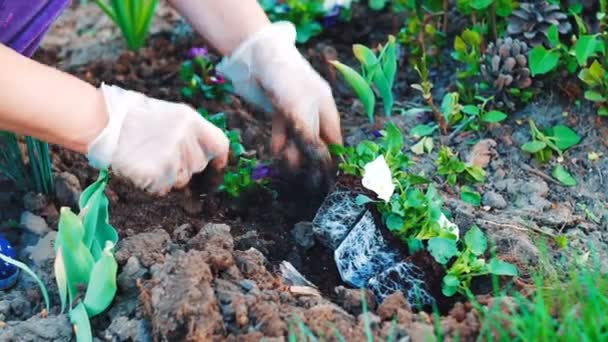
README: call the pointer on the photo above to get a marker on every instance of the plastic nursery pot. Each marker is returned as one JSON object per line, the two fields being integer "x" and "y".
{"x": 337, "y": 215}
{"x": 364, "y": 253}
{"x": 405, "y": 277}
{"x": 8, "y": 273}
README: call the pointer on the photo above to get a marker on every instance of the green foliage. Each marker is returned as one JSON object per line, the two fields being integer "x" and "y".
{"x": 559, "y": 56}
{"x": 238, "y": 181}
{"x": 486, "y": 13}
{"x": 469, "y": 195}
{"x": 219, "y": 120}
{"x": 561, "y": 174}
{"x": 40, "y": 175}
{"x": 596, "y": 80}
{"x": 200, "y": 76}
{"x": 85, "y": 258}
{"x": 304, "y": 14}
{"x": 467, "y": 50}
{"x": 133, "y": 17}
{"x": 421, "y": 26}
{"x": 557, "y": 310}
{"x": 469, "y": 262}
{"x": 378, "y": 72}
{"x": 469, "y": 117}
{"x": 450, "y": 166}
{"x": 556, "y": 139}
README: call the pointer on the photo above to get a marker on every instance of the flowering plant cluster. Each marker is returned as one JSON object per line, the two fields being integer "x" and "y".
{"x": 411, "y": 209}
{"x": 201, "y": 77}
{"x": 309, "y": 16}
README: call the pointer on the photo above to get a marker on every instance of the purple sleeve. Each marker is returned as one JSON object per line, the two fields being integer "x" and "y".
{"x": 23, "y": 23}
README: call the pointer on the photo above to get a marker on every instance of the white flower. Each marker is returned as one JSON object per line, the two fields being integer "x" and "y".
{"x": 448, "y": 226}
{"x": 328, "y": 5}
{"x": 377, "y": 177}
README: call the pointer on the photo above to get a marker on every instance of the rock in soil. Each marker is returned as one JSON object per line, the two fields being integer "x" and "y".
{"x": 67, "y": 189}
{"x": 34, "y": 202}
{"x": 52, "y": 328}
{"x": 43, "y": 252}
{"x": 34, "y": 223}
{"x": 406, "y": 278}
{"x": 125, "y": 329}
{"x": 131, "y": 272}
{"x": 149, "y": 247}
{"x": 335, "y": 218}
{"x": 494, "y": 200}
{"x": 364, "y": 253}
{"x": 352, "y": 299}
{"x": 303, "y": 234}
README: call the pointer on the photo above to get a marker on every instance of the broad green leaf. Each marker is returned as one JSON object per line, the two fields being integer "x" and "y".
{"x": 450, "y": 285}
{"x": 481, "y": 4}
{"x": 81, "y": 323}
{"x": 594, "y": 96}
{"x": 493, "y": 116}
{"x": 61, "y": 278}
{"x": 533, "y": 146}
{"x": 542, "y": 60}
{"x": 565, "y": 137}
{"x": 469, "y": 195}
{"x": 26, "y": 269}
{"x": 594, "y": 75}
{"x": 394, "y": 138}
{"x": 450, "y": 105}
{"x": 460, "y": 45}
{"x": 389, "y": 61}
{"x": 365, "y": 56}
{"x": 377, "y": 5}
{"x": 442, "y": 249}
{"x": 362, "y": 200}
{"x": 561, "y": 174}
{"x": 423, "y": 130}
{"x": 499, "y": 267}
{"x": 102, "y": 287}
{"x": 584, "y": 48}
{"x": 470, "y": 109}
{"x": 394, "y": 222}
{"x": 476, "y": 241}
{"x": 362, "y": 89}
{"x": 553, "y": 35}
{"x": 371, "y": 64}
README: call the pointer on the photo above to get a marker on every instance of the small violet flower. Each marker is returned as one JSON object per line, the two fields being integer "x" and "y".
{"x": 261, "y": 171}
{"x": 197, "y": 52}
{"x": 376, "y": 133}
{"x": 329, "y": 5}
{"x": 377, "y": 177}
{"x": 331, "y": 18}
{"x": 446, "y": 225}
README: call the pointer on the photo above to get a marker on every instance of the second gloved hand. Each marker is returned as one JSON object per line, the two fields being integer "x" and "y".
{"x": 157, "y": 144}
{"x": 268, "y": 70}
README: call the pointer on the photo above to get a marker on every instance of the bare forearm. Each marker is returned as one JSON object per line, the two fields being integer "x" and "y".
{"x": 48, "y": 104}
{"x": 226, "y": 23}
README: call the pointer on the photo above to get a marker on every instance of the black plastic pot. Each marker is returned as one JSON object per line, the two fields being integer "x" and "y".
{"x": 335, "y": 218}
{"x": 364, "y": 253}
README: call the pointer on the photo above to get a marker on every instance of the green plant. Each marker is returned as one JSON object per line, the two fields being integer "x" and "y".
{"x": 420, "y": 33}
{"x": 377, "y": 72}
{"x": 219, "y": 120}
{"x": 469, "y": 261}
{"x": 305, "y": 15}
{"x": 132, "y": 16}
{"x": 467, "y": 50}
{"x": 449, "y": 165}
{"x": 424, "y": 87}
{"x": 486, "y": 13}
{"x": 472, "y": 117}
{"x": 556, "y": 139}
{"x": 595, "y": 76}
{"x": 85, "y": 259}
{"x": 244, "y": 177}
{"x": 201, "y": 77}
{"x": 39, "y": 160}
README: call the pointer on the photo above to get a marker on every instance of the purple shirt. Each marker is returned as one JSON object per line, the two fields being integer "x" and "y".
{"x": 23, "y": 23}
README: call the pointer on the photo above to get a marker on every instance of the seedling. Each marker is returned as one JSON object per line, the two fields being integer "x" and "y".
{"x": 469, "y": 261}
{"x": 201, "y": 77}
{"x": 132, "y": 16}
{"x": 305, "y": 15}
{"x": 248, "y": 174}
{"x": 377, "y": 72}
{"x": 219, "y": 120}
{"x": 424, "y": 87}
{"x": 467, "y": 50}
{"x": 554, "y": 140}
{"x": 450, "y": 166}
{"x": 472, "y": 117}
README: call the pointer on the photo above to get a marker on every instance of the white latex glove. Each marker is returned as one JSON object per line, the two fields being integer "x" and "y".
{"x": 157, "y": 144}
{"x": 268, "y": 70}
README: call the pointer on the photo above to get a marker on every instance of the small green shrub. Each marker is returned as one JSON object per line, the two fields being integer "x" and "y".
{"x": 133, "y": 17}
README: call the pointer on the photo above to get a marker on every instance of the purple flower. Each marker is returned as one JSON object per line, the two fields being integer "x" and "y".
{"x": 376, "y": 133}
{"x": 197, "y": 52}
{"x": 331, "y": 18}
{"x": 261, "y": 171}
{"x": 217, "y": 79}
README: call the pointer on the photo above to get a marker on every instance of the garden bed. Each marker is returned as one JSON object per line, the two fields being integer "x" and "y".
{"x": 198, "y": 265}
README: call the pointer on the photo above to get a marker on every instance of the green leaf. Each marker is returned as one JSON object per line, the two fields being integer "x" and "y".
{"x": 565, "y": 137}
{"x": 102, "y": 286}
{"x": 460, "y": 45}
{"x": 499, "y": 267}
{"x": 553, "y": 35}
{"x": 594, "y": 75}
{"x": 81, "y": 323}
{"x": 469, "y": 195}
{"x": 377, "y": 5}
{"x": 476, "y": 241}
{"x": 362, "y": 200}
{"x": 394, "y": 138}
{"x": 442, "y": 249}
{"x": 493, "y": 116}
{"x": 470, "y": 110}
{"x": 561, "y": 174}
{"x": 359, "y": 85}
{"x": 481, "y": 4}
{"x": 533, "y": 146}
{"x": 542, "y": 60}
{"x": 61, "y": 278}
{"x": 389, "y": 60}
{"x": 394, "y": 222}
{"x": 423, "y": 130}
{"x": 584, "y": 48}
{"x": 77, "y": 259}
{"x": 450, "y": 285}
{"x": 594, "y": 96}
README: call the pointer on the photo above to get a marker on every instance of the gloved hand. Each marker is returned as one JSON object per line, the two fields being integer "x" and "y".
{"x": 157, "y": 144}
{"x": 268, "y": 70}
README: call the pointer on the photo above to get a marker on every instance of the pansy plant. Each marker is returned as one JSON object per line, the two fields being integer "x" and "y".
{"x": 450, "y": 166}
{"x": 200, "y": 77}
